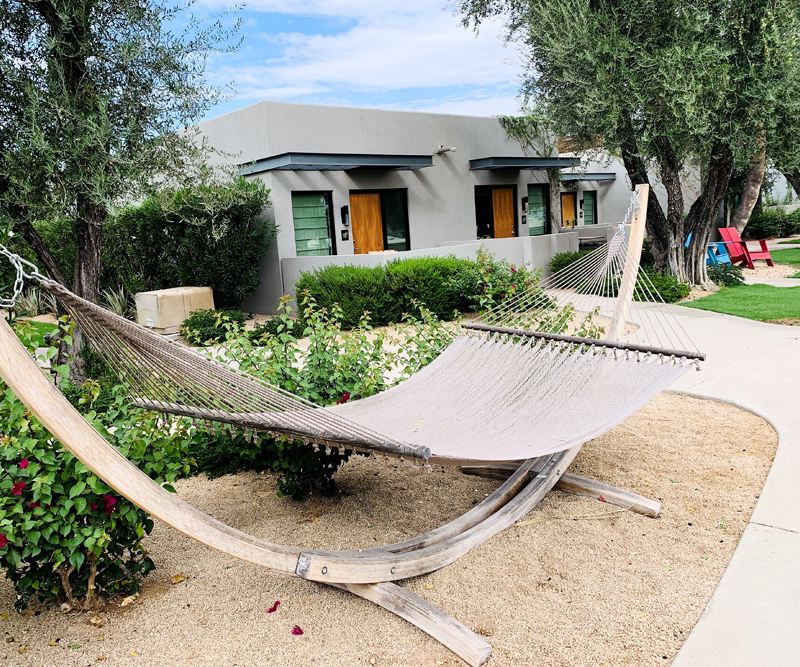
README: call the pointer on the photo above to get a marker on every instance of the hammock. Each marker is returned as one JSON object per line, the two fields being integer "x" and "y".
{"x": 556, "y": 365}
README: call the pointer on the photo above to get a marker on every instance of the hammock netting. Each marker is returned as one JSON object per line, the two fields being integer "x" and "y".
{"x": 549, "y": 368}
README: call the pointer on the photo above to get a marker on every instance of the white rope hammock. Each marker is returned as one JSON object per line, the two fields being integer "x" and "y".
{"x": 548, "y": 369}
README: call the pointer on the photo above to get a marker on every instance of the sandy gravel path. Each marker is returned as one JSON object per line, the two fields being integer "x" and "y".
{"x": 613, "y": 590}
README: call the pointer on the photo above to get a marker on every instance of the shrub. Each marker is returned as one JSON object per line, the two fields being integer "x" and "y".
{"x": 202, "y": 326}
{"x": 207, "y": 235}
{"x": 668, "y": 287}
{"x": 726, "y": 275}
{"x": 443, "y": 285}
{"x": 357, "y": 289}
{"x": 562, "y": 260}
{"x": 336, "y": 366}
{"x": 771, "y": 224}
{"x": 65, "y": 536}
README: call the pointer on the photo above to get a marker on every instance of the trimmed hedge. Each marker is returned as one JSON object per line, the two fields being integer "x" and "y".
{"x": 772, "y": 224}
{"x": 444, "y": 285}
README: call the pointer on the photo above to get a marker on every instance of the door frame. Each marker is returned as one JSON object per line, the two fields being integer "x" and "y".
{"x": 574, "y": 196}
{"x": 380, "y": 191}
{"x": 328, "y": 194}
{"x": 498, "y": 186}
{"x": 548, "y": 220}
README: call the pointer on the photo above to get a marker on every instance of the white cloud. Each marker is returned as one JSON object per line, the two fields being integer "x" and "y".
{"x": 387, "y": 47}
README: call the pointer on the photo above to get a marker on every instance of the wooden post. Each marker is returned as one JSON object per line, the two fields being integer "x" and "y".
{"x": 631, "y": 271}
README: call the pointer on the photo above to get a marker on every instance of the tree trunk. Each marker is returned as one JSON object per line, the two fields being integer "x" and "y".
{"x": 44, "y": 255}
{"x": 703, "y": 215}
{"x": 89, "y": 251}
{"x": 657, "y": 227}
{"x": 554, "y": 176}
{"x": 671, "y": 179}
{"x": 794, "y": 180}
{"x": 751, "y": 191}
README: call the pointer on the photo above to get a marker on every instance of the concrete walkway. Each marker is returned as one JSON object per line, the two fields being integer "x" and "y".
{"x": 753, "y": 617}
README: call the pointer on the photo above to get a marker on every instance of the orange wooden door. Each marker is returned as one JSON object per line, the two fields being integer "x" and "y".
{"x": 503, "y": 210}
{"x": 365, "y": 218}
{"x": 568, "y": 209}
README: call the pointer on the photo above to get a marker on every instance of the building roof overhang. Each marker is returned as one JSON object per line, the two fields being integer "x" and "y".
{"x": 493, "y": 163}
{"x": 336, "y": 162}
{"x": 589, "y": 176}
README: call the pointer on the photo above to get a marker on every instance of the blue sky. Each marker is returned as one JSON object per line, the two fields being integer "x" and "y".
{"x": 395, "y": 55}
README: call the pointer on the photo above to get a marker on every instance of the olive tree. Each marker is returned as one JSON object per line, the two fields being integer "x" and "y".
{"x": 95, "y": 99}
{"x": 662, "y": 84}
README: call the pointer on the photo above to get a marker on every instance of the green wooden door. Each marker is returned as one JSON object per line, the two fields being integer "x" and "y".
{"x": 537, "y": 210}
{"x": 590, "y": 207}
{"x": 311, "y": 223}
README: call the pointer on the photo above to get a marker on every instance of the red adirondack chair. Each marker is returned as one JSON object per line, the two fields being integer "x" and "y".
{"x": 738, "y": 250}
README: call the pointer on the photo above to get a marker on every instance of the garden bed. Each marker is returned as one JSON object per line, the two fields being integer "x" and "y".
{"x": 618, "y": 589}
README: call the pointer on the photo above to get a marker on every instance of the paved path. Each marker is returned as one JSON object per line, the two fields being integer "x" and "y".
{"x": 775, "y": 282}
{"x": 753, "y": 618}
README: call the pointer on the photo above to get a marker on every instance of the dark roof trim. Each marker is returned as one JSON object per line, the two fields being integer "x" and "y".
{"x": 524, "y": 163}
{"x": 589, "y": 176}
{"x": 335, "y": 162}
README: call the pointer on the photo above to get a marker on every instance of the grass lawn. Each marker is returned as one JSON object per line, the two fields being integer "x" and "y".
{"x": 36, "y": 330}
{"x": 755, "y": 302}
{"x": 797, "y": 240}
{"x": 788, "y": 256}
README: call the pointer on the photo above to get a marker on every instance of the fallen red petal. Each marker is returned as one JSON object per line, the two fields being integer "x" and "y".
{"x": 601, "y": 499}
{"x": 296, "y": 630}
{"x": 274, "y": 607}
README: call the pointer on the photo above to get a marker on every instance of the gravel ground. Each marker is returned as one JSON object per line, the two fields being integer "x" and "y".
{"x": 574, "y": 589}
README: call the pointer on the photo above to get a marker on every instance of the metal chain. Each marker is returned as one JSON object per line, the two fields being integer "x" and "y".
{"x": 632, "y": 209}
{"x": 19, "y": 263}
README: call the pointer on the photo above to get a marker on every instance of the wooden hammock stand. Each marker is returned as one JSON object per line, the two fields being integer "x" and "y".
{"x": 368, "y": 573}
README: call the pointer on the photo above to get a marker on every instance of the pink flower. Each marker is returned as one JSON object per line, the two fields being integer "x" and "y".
{"x": 274, "y": 607}
{"x": 93, "y": 506}
{"x": 23, "y": 464}
{"x": 110, "y": 502}
{"x": 34, "y": 505}
{"x": 344, "y": 399}
{"x": 513, "y": 270}
{"x": 296, "y": 630}
{"x": 16, "y": 488}
{"x": 3, "y": 541}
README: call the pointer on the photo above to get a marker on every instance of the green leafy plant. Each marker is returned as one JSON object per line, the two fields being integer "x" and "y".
{"x": 210, "y": 235}
{"x": 119, "y": 301}
{"x": 65, "y": 536}
{"x": 203, "y": 326}
{"x": 726, "y": 275}
{"x": 562, "y": 260}
{"x": 772, "y": 223}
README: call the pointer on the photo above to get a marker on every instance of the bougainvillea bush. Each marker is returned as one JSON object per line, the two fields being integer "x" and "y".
{"x": 65, "y": 536}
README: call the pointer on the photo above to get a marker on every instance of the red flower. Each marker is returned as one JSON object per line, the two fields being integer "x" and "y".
{"x": 3, "y": 541}
{"x": 296, "y": 630}
{"x": 16, "y": 488}
{"x": 23, "y": 464}
{"x": 344, "y": 399}
{"x": 513, "y": 270}
{"x": 274, "y": 607}
{"x": 93, "y": 506}
{"x": 34, "y": 505}
{"x": 110, "y": 502}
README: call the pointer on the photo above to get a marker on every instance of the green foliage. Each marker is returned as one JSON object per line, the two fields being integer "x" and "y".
{"x": 773, "y": 223}
{"x": 98, "y": 103}
{"x": 66, "y": 535}
{"x": 443, "y": 285}
{"x": 562, "y": 260}
{"x": 203, "y": 326}
{"x": 756, "y": 302}
{"x": 209, "y": 235}
{"x": 726, "y": 275}
{"x": 336, "y": 366}
{"x": 668, "y": 286}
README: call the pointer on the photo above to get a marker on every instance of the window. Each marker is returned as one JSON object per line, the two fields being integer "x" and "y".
{"x": 538, "y": 201}
{"x": 379, "y": 220}
{"x": 313, "y": 223}
{"x": 590, "y": 207}
{"x": 496, "y": 211}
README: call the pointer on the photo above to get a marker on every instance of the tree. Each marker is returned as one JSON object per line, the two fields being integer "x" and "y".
{"x": 95, "y": 96}
{"x": 663, "y": 83}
